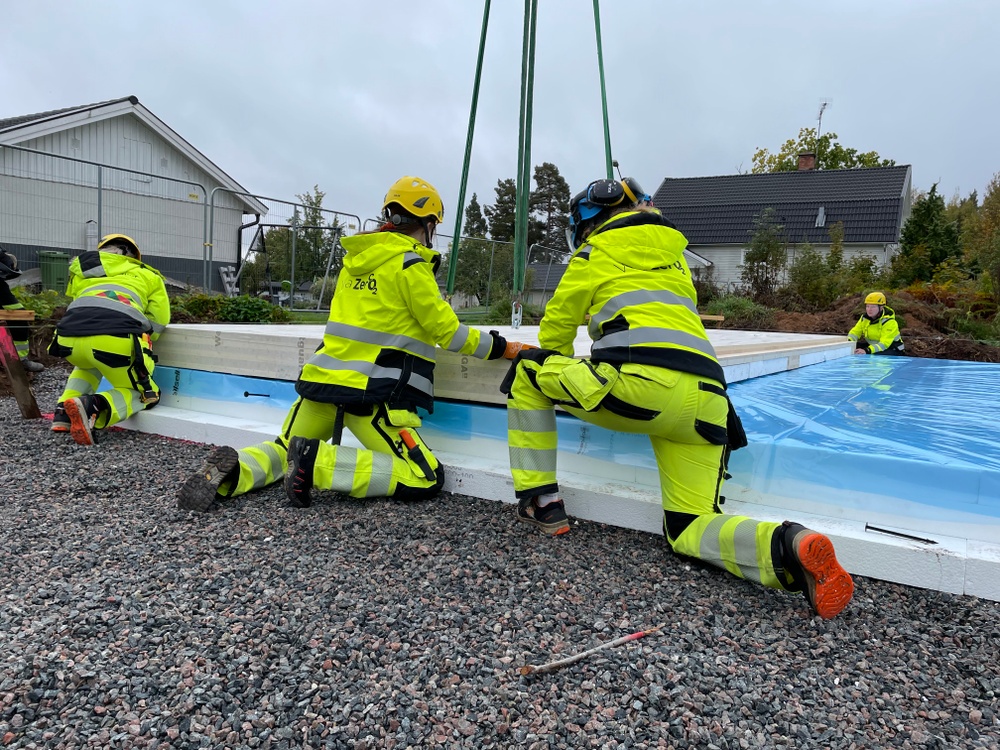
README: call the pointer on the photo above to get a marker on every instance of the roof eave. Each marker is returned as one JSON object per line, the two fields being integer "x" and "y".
{"x": 85, "y": 116}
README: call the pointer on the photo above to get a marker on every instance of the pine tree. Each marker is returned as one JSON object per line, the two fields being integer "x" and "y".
{"x": 550, "y": 204}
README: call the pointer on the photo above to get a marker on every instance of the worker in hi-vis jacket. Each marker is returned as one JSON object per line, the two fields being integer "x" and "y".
{"x": 119, "y": 308}
{"x": 373, "y": 370}
{"x": 653, "y": 371}
{"x": 877, "y": 331}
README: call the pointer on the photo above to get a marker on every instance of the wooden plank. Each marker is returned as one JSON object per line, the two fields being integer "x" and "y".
{"x": 716, "y": 318}
{"x": 17, "y": 314}
{"x": 17, "y": 377}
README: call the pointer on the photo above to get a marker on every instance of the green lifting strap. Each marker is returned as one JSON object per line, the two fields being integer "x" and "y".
{"x": 524, "y": 140}
{"x": 460, "y": 208}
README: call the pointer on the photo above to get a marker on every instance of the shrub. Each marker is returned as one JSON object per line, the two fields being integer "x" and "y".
{"x": 810, "y": 278}
{"x": 245, "y": 309}
{"x": 242, "y": 309}
{"x": 44, "y": 303}
{"x": 201, "y": 306}
{"x": 741, "y": 312}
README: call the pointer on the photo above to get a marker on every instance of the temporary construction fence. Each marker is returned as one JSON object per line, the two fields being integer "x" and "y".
{"x": 54, "y": 207}
{"x": 201, "y": 234}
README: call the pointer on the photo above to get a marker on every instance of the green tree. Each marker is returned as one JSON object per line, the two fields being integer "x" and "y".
{"x": 475, "y": 255}
{"x": 829, "y": 154}
{"x": 984, "y": 237}
{"x": 475, "y": 222}
{"x": 549, "y": 203}
{"x": 502, "y": 215}
{"x": 808, "y": 277}
{"x": 927, "y": 240}
{"x": 766, "y": 257}
{"x": 314, "y": 245}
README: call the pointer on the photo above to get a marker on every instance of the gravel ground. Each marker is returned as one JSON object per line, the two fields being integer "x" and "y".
{"x": 361, "y": 624}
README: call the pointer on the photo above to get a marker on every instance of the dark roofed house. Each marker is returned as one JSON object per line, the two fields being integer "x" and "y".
{"x": 717, "y": 214}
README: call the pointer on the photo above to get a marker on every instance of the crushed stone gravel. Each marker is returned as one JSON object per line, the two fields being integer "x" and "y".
{"x": 127, "y": 623}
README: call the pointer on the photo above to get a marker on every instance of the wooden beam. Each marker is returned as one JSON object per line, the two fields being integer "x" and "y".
{"x": 17, "y": 314}
{"x": 17, "y": 376}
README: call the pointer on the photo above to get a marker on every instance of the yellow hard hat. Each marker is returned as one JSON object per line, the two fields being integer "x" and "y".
{"x": 875, "y": 298}
{"x": 120, "y": 240}
{"x": 417, "y": 197}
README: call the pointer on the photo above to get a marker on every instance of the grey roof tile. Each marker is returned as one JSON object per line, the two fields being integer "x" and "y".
{"x": 722, "y": 210}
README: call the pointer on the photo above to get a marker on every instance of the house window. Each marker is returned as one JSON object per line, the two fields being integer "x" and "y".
{"x": 821, "y": 217}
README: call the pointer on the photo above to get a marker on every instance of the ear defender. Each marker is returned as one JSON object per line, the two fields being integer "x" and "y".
{"x": 606, "y": 193}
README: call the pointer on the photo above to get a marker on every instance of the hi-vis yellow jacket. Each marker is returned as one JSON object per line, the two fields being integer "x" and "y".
{"x": 114, "y": 295}
{"x": 386, "y": 317}
{"x": 632, "y": 279}
{"x": 880, "y": 334}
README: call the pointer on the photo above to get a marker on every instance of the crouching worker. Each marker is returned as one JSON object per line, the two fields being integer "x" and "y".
{"x": 652, "y": 371}
{"x": 120, "y": 306}
{"x": 877, "y": 331}
{"x": 374, "y": 368}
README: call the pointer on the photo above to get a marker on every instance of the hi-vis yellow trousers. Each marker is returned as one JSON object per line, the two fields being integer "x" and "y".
{"x": 110, "y": 357}
{"x": 684, "y": 416}
{"x": 387, "y": 468}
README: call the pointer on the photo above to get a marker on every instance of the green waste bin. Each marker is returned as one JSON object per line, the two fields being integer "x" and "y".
{"x": 55, "y": 270}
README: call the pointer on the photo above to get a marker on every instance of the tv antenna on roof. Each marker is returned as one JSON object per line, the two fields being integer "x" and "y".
{"x": 823, "y": 104}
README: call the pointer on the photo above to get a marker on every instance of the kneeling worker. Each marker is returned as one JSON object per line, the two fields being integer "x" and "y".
{"x": 120, "y": 306}
{"x": 374, "y": 368}
{"x": 877, "y": 332}
{"x": 652, "y": 371}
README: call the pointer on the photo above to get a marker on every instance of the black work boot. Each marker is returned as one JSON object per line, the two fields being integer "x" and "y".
{"x": 60, "y": 420}
{"x": 83, "y": 412}
{"x": 299, "y": 476}
{"x": 551, "y": 518}
{"x": 809, "y": 557}
{"x": 200, "y": 490}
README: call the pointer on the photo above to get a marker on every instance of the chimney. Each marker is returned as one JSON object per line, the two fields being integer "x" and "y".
{"x": 807, "y": 161}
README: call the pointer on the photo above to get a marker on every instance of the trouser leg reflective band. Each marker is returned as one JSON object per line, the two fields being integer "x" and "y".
{"x": 741, "y": 545}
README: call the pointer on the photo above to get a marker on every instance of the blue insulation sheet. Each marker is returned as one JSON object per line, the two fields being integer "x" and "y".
{"x": 848, "y": 432}
{"x": 920, "y": 430}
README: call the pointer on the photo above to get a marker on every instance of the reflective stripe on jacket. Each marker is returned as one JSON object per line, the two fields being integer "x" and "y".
{"x": 386, "y": 318}
{"x": 114, "y": 295}
{"x": 632, "y": 279}
{"x": 881, "y": 334}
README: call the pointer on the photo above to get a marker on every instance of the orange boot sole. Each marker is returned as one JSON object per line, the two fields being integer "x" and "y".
{"x": 830, "y": 587}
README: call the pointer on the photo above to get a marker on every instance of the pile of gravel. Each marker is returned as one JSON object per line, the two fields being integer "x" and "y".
{"x": 360, "y": 624}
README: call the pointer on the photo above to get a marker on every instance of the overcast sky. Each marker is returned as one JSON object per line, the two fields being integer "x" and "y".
{"x": 351, "y": 95}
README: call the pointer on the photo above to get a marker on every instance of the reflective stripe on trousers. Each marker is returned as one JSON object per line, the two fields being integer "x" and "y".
{"x": 86, "y": 357}
{"x": 381, "y": 469}
{"x": 667, "y": 406}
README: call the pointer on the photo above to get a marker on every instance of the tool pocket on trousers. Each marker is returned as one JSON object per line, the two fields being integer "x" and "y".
{"x": 111, "y": 359}
{"x": 587, "y": 383}
{"x": 58, "y": 350}
{"x": 403, "y": 418}
{"x": 713, "y": 413}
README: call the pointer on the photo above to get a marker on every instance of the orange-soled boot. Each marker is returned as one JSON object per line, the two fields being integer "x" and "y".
{"x": 825, "y": 583}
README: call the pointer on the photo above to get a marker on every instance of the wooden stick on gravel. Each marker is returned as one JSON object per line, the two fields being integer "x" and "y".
{"x": 554, "y": 665}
